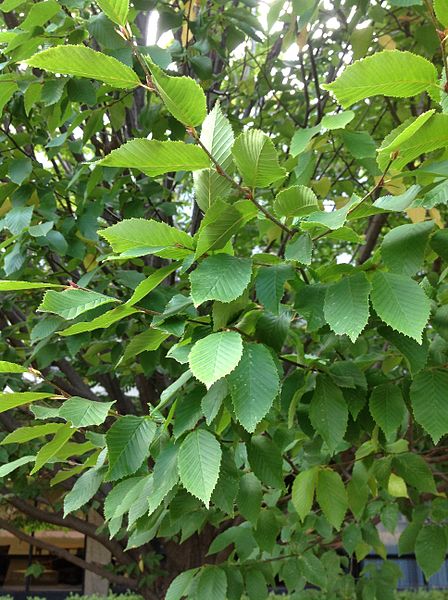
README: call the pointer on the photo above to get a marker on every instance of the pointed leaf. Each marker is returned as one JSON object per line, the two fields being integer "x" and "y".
{"x": 328, "y": 412}
{"x": 215, "y": 356}
{"x": 199, "y": 462}
{"x": 403, "y": 247}
{"x": 165, "y": 475}
{"x": 102, "y": 322}
{"x": 25, "y": 434}
{"x": 150, "y": 283}
{"x": 182, "y": 96}
{"x": 71, "y": 303}
{"x": 7, "y": 285}
{"x": 116, "y": 10}
{"x": 212, "y": 583}
{"x": 387, "y": 407}
{"x": 389, "y": 73}
{"x": 295, "y": 201}
{"x": 346, "y": 307}
{"x": 221, "y": 222}
{"x": 153, "y": 157}
{"x": 84, "y": 489}
{"x": 430, "y": 549}
{"x": 10, "y": 367}
{"x": 217, "y": 137}
{"x": 84, "y": 413}
{"x": 401, "y": 303}
{"x": 82, "y": 61}
{"x": 265, "y": 461}
{"x": 154, "y": 237}
{"x": 254, "y": 385}
{"x": 221, "y": 277}
{"x": 256, "y": 159}
{"x": 303, "y": 492}
{"x": 428, "y": 399}
{"x": 51, "y": 448}
{"x": 332, "y": 497}
{"x": 15, "y": 464}
{"x": 128, "y": 443}
{"x": 270, "y": 284}
{"x": 13, "y": 399}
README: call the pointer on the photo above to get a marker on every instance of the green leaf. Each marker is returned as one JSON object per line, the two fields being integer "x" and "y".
{"x": 150, "y": 283}
{"x": 26, "y": 434}
{"x": 338, "y": 121}
{"x": 254, "y": 385}
{"x": 256, "y": 159}
{"x": 82, "y": 61}
{"x": 398, "y": 136}
{"x": 416, "y": 354}
{"x": 415, "y": 471}
{"x": 199, "y": 462}
{"x": 250, "y": 496}
{"x": 439, "y": 243}
{"x": 10, "y": 367}
{"x": 301, "y": 139}
{"x": 398, "y": 203}
{"x": 295, "y": 201}
{"x": 431, "y": 135}
{"x": 165, "y": 475}
{"x": 180, "y": 586}
{"x": 430, "y": 549}
{"x": 147, "y": 341}
{"x": 387, "y": 407}
{"x": 221, "y": 277}
{"x": 217, "y": 137}
{"x": 14, "y": 399}
{"x": 401, "y": 303}
{"x": 84, "y": 488}
{"x": 7, "y": 89}
{"x": 213, "y": 399}
{"x": 50, "y": 449}
{"x": 403, "y": 247}
{"x": 441, "y": 10}
{"x": 83, "y": 413}
{"x": 346, "y": 307}
{"x": 221, "y": 222}
{"x": 428, "y": 399}
{"x": 15, "y": 464}
{"x": 328, "y": 412}
{"x": 183, "y": 97}
{"x": 265, "y": 461}
{"x": 212, "y": 583}
{"x": 150, "y": 236}
{"x": 303, "y": 492}
{"x": 153, "y": 158}
{"x": 270, "y": 284}
{"x": 128, "y": 443}
{"x": 116, "y": 10}
{"x": 7, "y": 285}
{"x": 334, "y": 219}
{"x": 389, "y": 73}
{"x": 71, "y": 303}
{"x": 122, "y": 496}
{"x": 19, "y": 170}
{"x": 215, "y": 356}
{"x": 332, "y": 497}
{"x": 102, "y": 322}
{"x": 299, "y": 248}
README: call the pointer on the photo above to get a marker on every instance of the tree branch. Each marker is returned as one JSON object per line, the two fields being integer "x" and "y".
{"x": 66, "y": 555}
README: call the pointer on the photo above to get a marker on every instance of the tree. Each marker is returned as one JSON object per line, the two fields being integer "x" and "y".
{"x": 224, "y": 299}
